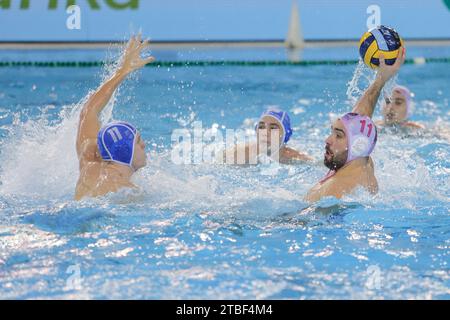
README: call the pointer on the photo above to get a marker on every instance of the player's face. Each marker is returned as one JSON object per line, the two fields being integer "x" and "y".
{"x": 395, "y": 109}
{"x": 336, "y": 149}
{"x": 139, "y": 157}
{"x": 268, "y": 128}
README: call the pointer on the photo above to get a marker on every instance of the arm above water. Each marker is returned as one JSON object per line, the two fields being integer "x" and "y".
{"x": 339, "y": 185}
{"x": 414, "y": 125}
{"x": 366, "y": 104}
{"x": 89, "y": 124}
{"x": 335, "y": 188}
{"x": 291, "y": 156}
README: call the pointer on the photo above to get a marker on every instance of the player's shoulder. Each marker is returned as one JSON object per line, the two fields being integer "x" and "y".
{"x": 89, "y": 151}
{"x": 414, "y": 125}
{"x": 292, "y": 154}
{"x": 287, "y": 151}
{"x": 379, "y": 123}
{"x": 354, "y": 171}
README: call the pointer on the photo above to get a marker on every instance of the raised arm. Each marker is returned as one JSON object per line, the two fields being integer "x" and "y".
{"x": 89, "y": 124}
{"x": 366, "y": 104}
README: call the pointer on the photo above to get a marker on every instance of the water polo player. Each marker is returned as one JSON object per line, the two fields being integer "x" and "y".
{"x": 352, "y": 140}
{"x": 109, "y": 156}
{"x": 398, "y": 108}
{"x": 273, "y": 132}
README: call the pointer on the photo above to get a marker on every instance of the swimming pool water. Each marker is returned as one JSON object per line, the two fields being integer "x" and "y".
{"x": 214, "y": 232}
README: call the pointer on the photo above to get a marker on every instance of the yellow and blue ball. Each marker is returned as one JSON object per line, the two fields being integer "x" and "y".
{"x": 381, "y": 40}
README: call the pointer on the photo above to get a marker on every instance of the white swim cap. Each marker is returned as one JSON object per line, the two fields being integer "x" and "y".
{"x": 361, "y": 135}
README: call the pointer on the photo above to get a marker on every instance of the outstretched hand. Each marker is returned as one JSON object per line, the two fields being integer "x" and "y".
{"x": 366, "y": 104}
{"x": 386, "y": 72}
{"x": 132, "y": 59}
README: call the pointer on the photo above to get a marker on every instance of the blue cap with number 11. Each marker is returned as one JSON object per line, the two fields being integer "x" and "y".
{"x": 116, "y": 142}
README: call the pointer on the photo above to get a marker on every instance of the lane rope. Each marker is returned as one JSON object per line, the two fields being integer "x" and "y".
{"x": 173, "y": 64}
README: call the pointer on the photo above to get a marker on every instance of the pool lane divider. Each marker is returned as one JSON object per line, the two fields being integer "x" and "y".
{"x": 173, "y": 64}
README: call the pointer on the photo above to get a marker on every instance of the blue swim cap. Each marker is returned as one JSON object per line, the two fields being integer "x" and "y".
{"x": 283, "y": 119}
{"x": 116, "y": 142}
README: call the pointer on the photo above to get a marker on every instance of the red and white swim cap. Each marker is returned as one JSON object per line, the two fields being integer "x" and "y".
{"x": 408, "y": 98}
{"x": 361, "y": 135}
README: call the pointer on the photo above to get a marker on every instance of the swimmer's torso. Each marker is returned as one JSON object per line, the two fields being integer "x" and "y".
{"x": 97, "y": 180}
{"x": 359, "y": 172}
{"x": 97, "y": 177}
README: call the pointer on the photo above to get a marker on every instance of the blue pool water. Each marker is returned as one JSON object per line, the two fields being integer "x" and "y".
{"x": 215, "y": 232}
